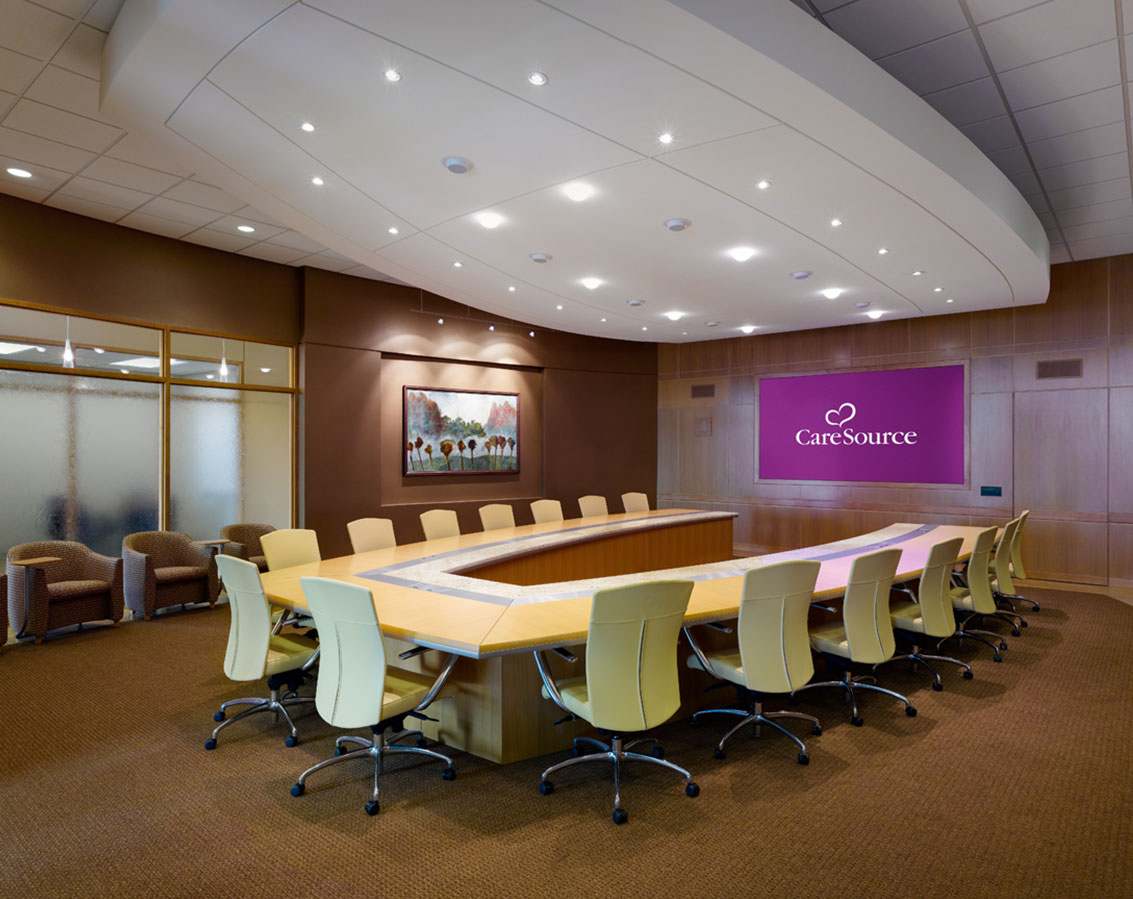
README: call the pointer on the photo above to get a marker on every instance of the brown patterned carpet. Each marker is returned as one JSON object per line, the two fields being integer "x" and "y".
{"x": 1017, "y": 783}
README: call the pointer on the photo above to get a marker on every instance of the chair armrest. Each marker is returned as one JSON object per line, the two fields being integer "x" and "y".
{"x": 699, "y": 653}
{"x": 240, "y": 550}
{"x": 99, "y": 567}
{"x": 196, "y": 554}
{"x": 549, "y": 682}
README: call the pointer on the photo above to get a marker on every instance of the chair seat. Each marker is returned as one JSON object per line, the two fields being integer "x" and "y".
{"x": 907, "y": 616}
{"x": 726, "y": 664}
{"x": 260, "y": 562}
{"x": 576, "y": 696}
{"x": 286, "y": 653}
{"x": 962, "y": 599}
{"x": 831, "y": 638}
{"x": 62, "y": 590}
{"x": 405, "y": 690}
{"x": 174, "y": 574}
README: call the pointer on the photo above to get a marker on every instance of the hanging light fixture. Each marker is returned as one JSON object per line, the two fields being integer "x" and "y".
{"x": 68, "y": 353}
{"x": 223, "y": 360}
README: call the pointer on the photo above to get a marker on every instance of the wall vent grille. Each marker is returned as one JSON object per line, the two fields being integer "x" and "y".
{"x": 703, "y": 391}
{"x": 1058, "y": 368}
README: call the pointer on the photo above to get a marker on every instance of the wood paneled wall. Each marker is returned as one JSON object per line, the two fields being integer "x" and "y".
{"x": 1059, "y": 447}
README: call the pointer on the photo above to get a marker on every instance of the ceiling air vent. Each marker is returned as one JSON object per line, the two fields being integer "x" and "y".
{"x": 703, "y": 391}
{"x": 1058, "y": 368}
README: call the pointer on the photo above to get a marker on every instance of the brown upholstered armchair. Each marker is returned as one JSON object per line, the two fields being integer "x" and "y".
{"x": 83, "y": 586}
{"x": 166, "y": 568}
{"x": 246, "y": 539}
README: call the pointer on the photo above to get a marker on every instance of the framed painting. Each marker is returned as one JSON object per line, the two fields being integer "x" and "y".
{"x": 459, "y": 432}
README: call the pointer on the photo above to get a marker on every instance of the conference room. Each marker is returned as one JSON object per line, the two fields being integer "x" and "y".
{"x": 661, "y": 446}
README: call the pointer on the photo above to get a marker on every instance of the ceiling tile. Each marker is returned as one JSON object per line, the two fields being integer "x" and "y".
{"x": 82, "y": 206}
{"x": 101, "y": 192}
{"x": 295, "y": 241}
{"x": 275, "y": 253}
{"x": 163, "y": 207}
{"x": 940, "y": 64}
{"x": 263, "y": 230}
{"x": 881, "y": 27}
{"x": 141, "y": 151}
{"x": 82, "y": 52}
{"x": 1103, "y": 168}
{"x": 42, "y": 177}
{"x": 1047, "y": 30}
{"x": 1077, "y": 72}
{"x": 23, "y": 190}
{"x": 1115, "y": 245}
{"x": 219, "y": 240}
{"x": 69, "y": 8}
{"x": 1091, "y": 230}
{"x": 1100, "y": 212}
{"x": 986, "y": 10}
{"x": 802, "y": 4}
{"x": 1047, "y": 219}
{"x": 16, "y": 70}
{"x": 1026, "y": 183}
{"x": 332, "y": 262}
{"x": 204, "y": 195}
{"x": 115, "y": 171}
{"x": 259, "y": 216}
{"x": 1075, "y": 114}
{"x": 65, "y": 127}
{"x": 1101, "y": 141}
{"x": 994, "y": 134}
{"x": 31, "y": 29}
{"x": 1059, "y": 254}
{"x": 968, "y": 103}
{"x": 1089, "y": 194}
{"x": 155, "y": 224}
{"x": 1011, "y": 160}
{"x": 103, "y": 14}
{"x": 65, "y": 90}
{"x": 46, "y": 152}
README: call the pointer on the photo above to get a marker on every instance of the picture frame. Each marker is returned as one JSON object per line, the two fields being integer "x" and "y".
{"x": 450, "y": 432}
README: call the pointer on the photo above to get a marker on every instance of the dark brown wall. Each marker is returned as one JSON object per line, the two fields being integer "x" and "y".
{"x": 1057, "y": 447}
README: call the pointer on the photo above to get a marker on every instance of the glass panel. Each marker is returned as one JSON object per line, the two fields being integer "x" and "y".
{"x": 28, "y": 335}
{"x": 230, "y": 459}
{"x": 80, "y": 459}
{"x": 267, "y": 364}
{"x": 195, "y": 357}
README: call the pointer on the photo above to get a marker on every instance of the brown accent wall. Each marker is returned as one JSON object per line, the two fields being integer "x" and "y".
{"x": 1058, "y": 447}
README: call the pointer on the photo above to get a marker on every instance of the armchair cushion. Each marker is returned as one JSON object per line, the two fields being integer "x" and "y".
{"x": 172, "y": 574}
{"x": 75, "y": 589}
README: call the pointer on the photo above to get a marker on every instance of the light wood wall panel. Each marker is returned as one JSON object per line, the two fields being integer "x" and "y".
{"x": 1121, "y": 452}
{"x": 1120, "y": 555}
{"x": 1061, "y": 455}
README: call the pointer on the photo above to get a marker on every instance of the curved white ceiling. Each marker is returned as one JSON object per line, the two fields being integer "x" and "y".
{"x": 762, "y": 93}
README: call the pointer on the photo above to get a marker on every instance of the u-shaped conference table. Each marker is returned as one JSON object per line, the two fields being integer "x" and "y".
{"x": 494, "y": 598}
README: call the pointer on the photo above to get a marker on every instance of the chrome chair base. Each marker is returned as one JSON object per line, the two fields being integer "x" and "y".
{"x": 1012, "y": 598}
{"x": 849, "y": 683}
{"x": 981, "y": 637}
{"x": 274, "y": 704}
{"x": 617, "y": 753}
{"x": 374, "y": 749}
{"x": 919, "y": 658}
{"x": 1006, "y": 618}
{"x": 757, "y": 717}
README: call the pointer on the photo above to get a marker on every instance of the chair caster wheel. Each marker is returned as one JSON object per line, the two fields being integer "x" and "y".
{"x": 1034, "y": 608}
{"x": 658, "y": 752}
{"x": 546, "y": 788}
{"x": 210, "y": 743}
{"x": 1014, "y": 632}
{"x": 620, "y": 816}
{"x": 937, "y": 686}
{"x": 291, "y": 742}
{"x": 298, "y": 789}
{"x": 792, "y": 699}
{"x": 694, "y": 721}
{"x": 720, "y": 754}
{"x": 692, "y": 790}
{"x": 804, "y": 759}
{"x": 219, "y": 716}
{"x": 575, "y": 752}
{"x": 338, "y": 750}
{"x": 448, "y": 774}
{"x": 816, "y": 729}
{"x": 422, "y": 742}
{"x": 372, "y": 807}
{"x": 910, "y": 711}
{"x": 997, "y": 657}
{"x": 856, "y": 721}
{"x": 967, "y": 674}
{"x": 1002, "y": 644}
{"x": 1024, "y": 624}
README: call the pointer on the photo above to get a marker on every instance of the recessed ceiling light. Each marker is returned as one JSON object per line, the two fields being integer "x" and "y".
{"x": 207, "y": 377}
{"x": 741, "y": 254}
{"x": 603, "y": 319}
{"x": 875, "y": 314}
{"x": 393, "y": 230}
{"x": 666, "y": 138}
{"x": 644, "y": 327}
{"x": 458, "y": 265}
{"x": 832, "y": 293}
{"x": 126, "y": 371}
{"x": 559, "y": 307}
{"x": 635, "y": 302}
{"x": 490, "y": 220}
{"x": 317, "y": 181}
{"x": 801, "y": 276}
{"x": 511, "y": 288}
{"x": 684, "y": 332}
{"x": 19, "y": 173}
{"x": 674, "y": 316}
{"x": 882, "y": 251}
{"x": 678, "y": 224}
{"x": 917, "y": 273}
{"x": 440, "y": 321}
{"x": 265, "y": 370}
{"x": 491, "y": 327}
{"x": 937, "y": 289}
{"x": 456, "y": 164}
{"x": 835, "y": 223}
{"x": 538, "y": 79}
{"x": 763, "y": 185}
{"x": 393, "y": 75}
{"x": 591, "y": 283}
{"x": 578, "y": 191}
{"x": 308, "y": 127}
{"x": 863, "y": 305}
{"x": 530, "y": 333}
{"x": 950, "y": 300}
{"x": 99, "y": 350}
{"x": 247, "y": 229}
{"x": 747, "y": 329}
{"x": 540, "y": 257}
{"x": 40, "y": 349}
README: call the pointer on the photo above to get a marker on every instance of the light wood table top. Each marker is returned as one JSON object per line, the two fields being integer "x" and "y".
{"x": 421, "y": 596}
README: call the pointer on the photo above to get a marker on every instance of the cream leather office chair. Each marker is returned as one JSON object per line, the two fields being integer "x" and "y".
{"x": 254, "y": 652}
{"x": 592, "y": 506}
{"x": 439, "y": 523}
{"x": 773, "y": 652}
{"x": 546, "y": 510}
{"x": 635, "y": 502}
{"x": 497, "y": 515}
{"x": 974, "y": 600}
{"x": 369, "y": 534}
{"x": 356, "y": 689}
{"x": 1002, "y": 584}
{"x": 631, "y": 677}
{"x": 865, "y": 633}
{"x": 291, "y": 546}
{"x": 1017, "y": 568}
{"x": 930, "y": 614}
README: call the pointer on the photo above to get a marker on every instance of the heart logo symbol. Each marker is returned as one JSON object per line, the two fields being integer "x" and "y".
{"x": 837, "y": 418}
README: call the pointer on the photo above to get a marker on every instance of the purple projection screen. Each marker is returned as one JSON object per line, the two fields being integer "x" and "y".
{"x": 904, "y": 425}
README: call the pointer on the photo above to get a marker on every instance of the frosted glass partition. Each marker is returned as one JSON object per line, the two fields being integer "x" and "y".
{"x": 80, "y": 459}
{"x": 229, "y": 459}
{"x": 29, "y": 335}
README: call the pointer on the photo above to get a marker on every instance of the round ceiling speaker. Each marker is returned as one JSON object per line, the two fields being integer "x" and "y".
{"x": 801, "y": 276}
{"x": 457, "y": 165}
{"x": 678, "y": 224}
{"x": 540, "y": 257}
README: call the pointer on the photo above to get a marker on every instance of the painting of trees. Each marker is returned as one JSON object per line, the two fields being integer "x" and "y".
{"x": 438, "y": 422}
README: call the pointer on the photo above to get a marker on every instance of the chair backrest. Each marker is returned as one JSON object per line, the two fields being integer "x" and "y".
{"x": 631, "y": 654}
{"x": 250, "y": 629}
{"x": 439, "y": 523}
{"x": 497, "y": 515}
{"x": 635, "y": 502}
{"x": 774, "y": 646}
{"x": 72, "y": 558}
{"x": 979, "y": 581}
{"x": 546, "y": 510}
{"x": 352, "y": 669}
{"x": 291, "y": 546}
{"x": 1017, "y": 567}
{"x": 1002, "y": 562}
{"x": 934, "y": 590}
{"x": 865, "y": 612}
{"x": 166, "y": 547}
{"x": 368, "y": 534}
{"x": 247, "y": 535}
{"x": 591, "y": 506}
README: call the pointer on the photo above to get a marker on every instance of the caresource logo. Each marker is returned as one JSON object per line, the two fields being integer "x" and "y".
{"x": 839, "y": 417}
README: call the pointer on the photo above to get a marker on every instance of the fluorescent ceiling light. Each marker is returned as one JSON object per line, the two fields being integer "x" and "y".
{"x": 7, "y": 349}
{"x": 141, "y": 362}
{"x": 19, "y": 173}
{"x": 247, "y": 229}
